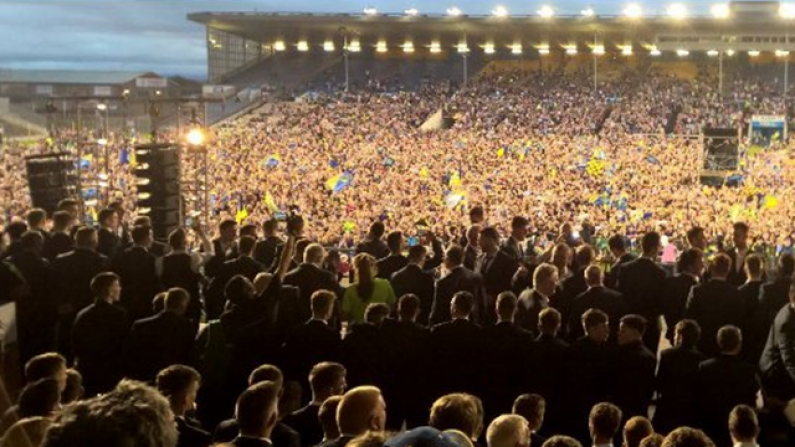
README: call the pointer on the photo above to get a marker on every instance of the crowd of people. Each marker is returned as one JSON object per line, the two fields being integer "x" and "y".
{"x": 518, "y": 282}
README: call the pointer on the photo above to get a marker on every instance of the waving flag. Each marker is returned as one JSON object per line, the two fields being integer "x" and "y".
{"x": 273, "y": 161}
{"x": 86, "y": 160}
{"x": 339, "y": 182}
{"x": 652, "y": 159}
{"x": 454, "y": 199}
{"x": 269, "y": 202}
{"x": 241, "y": 216}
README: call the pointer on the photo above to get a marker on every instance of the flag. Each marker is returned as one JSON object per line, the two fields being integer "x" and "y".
{"x": 500, "y": 152}
{"x": 124, "y": 156}
{"x": 652, "y": 159}
{"x": 769, "y": 202}
{"x": 241, "y": 216}
{"x": 269, "y": 202}
{"x": 389, "y": 162}
{"x": 86, "y": 160}
{"x": 454, "y": 199}
{"x": 339, "y": 182}
{"x": 348, "y": 226}
{"x": 424, "y": 172}
{"x": 455, "y": 180}
{"x": 595, "y": 167}
{"x": 272, "y": 161}
{"x": 776, "y": 136}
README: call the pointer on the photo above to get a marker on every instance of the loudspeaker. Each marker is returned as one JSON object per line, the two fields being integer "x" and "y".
{"x": 51, "y": 178}
{"x": 159, "y": 191}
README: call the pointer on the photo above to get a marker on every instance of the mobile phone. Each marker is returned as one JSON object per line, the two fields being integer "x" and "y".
{"x": 189, "y": 222}
{"x": 413, "y": 241}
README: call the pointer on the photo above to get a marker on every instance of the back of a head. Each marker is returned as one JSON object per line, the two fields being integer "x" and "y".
{"x": 39, "y": 398}
{"x": 743, "y": 424}
{"x": 369, "y": 439}
{"x": 604, "y": 421}
{"x": 650, "y": 243}
{"x": 687, "y": 437}
{"x": 544, "y": 272}
{"x": 176, "y": 299}
{"x": 549, "y": 321}
{"x": 270, "y": 226}
{"x": 617, "y": 243}
{"x": 730, "y": 339}
{"x": 584, "y": 256}
{"x": 238, "y": 290}
{"x": 326, "y": 375}
{"x": 394, "y": 241}
{"x": 327, "y": 416}
{"x": 176, "y": 379}
{"x": 177, "y": 239}
{"x": 159, "y": 302}
{"x": 417, "y": 253}
{"x": 85, "y": 237}
{"x": 313, "y": 254}
{"x": 61, "y": 220}
{"x": 266, "y": 373}
{"x": 27, "y": 432}
{"x": 786, "y": 265}
{"x": 357, "y": 410}
{"x": 32, "y": 241}
{"x": 133, "y": 414}
{"x": 561, "y": 441}
{"x": 44, "y": 366}
{"x": 74, "y": 387}
{"x": 508, "y": 430}
{"x": 246, "y": 245}
{"x": 16, "y": 229}
{"x": 755, "y": 264}
{"x": 689, "y": 332}
{"x": 458, "y": 411}
{"x": 377, "y": 229}
{"x": 376, "y": 313}
{"x": 635, "y": 430}
{"x": 532, "y": 407}
{"x": 592, "y": 318}
{"x": 653, "y": 440}
{"x": 490, "y": 233}
{"x": 693, "y": 234}
{"x": 140, "y": 235}
{"x": 635, "y": 322}
{"x": 454, "y": 256}
{"x": 506, "y": 306}
{"x": 593, "y": 275}
{"x": 322, "y": 302}
{"x": 720, "y": 265}
{"x": 257, "y": 408}
{"x": 462, "y": 305}
{"x": 101, "y": 284}
{"x": 688, "y": 258}
{"x": 408, "y": 306}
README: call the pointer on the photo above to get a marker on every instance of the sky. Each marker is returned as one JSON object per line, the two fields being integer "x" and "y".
{"x": 155, "y": 35}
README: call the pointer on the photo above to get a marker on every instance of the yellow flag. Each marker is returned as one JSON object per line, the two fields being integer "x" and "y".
{"x": 241, "y": 216}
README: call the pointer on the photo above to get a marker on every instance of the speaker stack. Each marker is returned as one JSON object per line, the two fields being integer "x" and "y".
{"x": 158, "y": 181}
{"x": 51, "y": 178}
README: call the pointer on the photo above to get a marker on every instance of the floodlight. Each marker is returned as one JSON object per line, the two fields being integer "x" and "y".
{"x": 279, "y": 45}
{"x": 380, "y": 47}
{"x": 654, "y": 51}
{"x": 754, "y": 53}
{"x": 411, "y": 12}
{"x": 546, "y": 12}
{"x": 408, "y": 47}
{"x": 303, "y": 46}
{"x": 571, "y": 50}
{"x": 730, "y": 53}
{"x": 633, "y": 11}
{"x": 720, "y": 11}
{"x": 713, "y": 53}
{"x": 588, "y": 12}
{"x": 354, "y": 46}
{"x": 677, "y": 11}
{"x": 782, "y": 53}
{"x": 453, "y": 11}
{"x": 436, "y": 47}
{"x": 500, "y": 11}
{"x": 328, "y": 46}
{"x": 370, "y": 11}
{"x": 599, "y": 50}
{"x": 516, "y": 48}
{"x": 627, "y": 50}
{"x": 543, "y": 50}
{"x": 787, "y": 11}
{"x": 489, "y": 48}
{"x": 102, "y": 107}
{"x": 195, "y": 137}
{"x": 462, "y": 48}
{"x": 682, "y": 53}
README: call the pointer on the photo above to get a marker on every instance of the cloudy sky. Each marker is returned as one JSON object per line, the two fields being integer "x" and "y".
{"x": 155, "y": 34}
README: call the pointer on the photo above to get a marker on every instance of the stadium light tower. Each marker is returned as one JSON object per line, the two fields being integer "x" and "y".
{"x": 677, "y": 11}
{"x": 720, "y": 11}
{"x": 546, "y": 12}
{"x": 633, "y": 11}
{"x": 412, "y": 12}
{"x": 370, "y": 11}
{"x": 588, "y": 12}
{"x": 787, "y": 11}
{"x": 453, "y": 11}
{"x": 500, "y": 11}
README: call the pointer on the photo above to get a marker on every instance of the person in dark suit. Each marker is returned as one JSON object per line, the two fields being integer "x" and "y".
{"x": 596, "y": 297}
{"x": 180, "y": 384}
{"x": 36, "y": 312}
{"x": 617, "y": 244}
{"x": 471, "y": 246}
{"x": 136, "y": 268}
{"x": 98, "y": 336}
{"x": 454, "y": 347}
{"x": 312, "y": 342}
{"x": 532, "y": 407}
{"x": 180, "y": 268}
{"x": 716, "y": 304}
{"x": 634, "y": 368}
{"x": 161, "y": 340}
{"x": 502, "y": 344}
{"x": 690, "y": 266}
{"x": 642, "y": 282}
{"x": 458, "y": 279}
{"x": 243, "y": 265}
{"x": 60, "y": 240}
{"x": 754, "y": 340}
{"x": 327, "y": 379}
{"x": 497, "y": 269}
{"x": 363, "y": 349}
{"x": 310, "y": 277}
{"x": 724, "y": 382}
{"x": 257, "y": 415}
{"x": 591, "y": 361}
{"x": 575, "y": 284}
{"x": 775, "y": 295}
{"x": 551, "y": 380}
{"x": 71, "y": 277}
{"x": 677, "y": 379}
{"x": 157, "y": 248}
{"x": 108, "y": 233}
{"x": 776, "y": 366}
{"x": 373, "y": 244}
{"x": 224, "y": 248}
{"x": 738, "y": 254}
{"x": 265, "y": 251}
{"x": 533, "y": 301}
{"x": 514, "y": 246}
{"x": 412, "y": 279}
{"x": 395, "y": 261}
{"x": 407, "y": 342}
{"x": 362, "y": 409}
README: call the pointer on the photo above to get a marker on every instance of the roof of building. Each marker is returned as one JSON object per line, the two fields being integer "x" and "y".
{"x": 70, "y": 76}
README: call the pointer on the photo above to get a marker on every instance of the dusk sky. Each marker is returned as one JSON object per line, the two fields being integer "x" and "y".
{"x": 155, "y": 35}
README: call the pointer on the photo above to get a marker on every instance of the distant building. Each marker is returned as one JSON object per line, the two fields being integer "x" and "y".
{"x": 26, "y": 85}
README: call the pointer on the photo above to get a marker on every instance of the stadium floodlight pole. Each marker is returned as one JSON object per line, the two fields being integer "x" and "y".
{"x": 786, "y": 69}
{"x": 595, "y": 68}
{"x": 345, "y": 57}
{"x": 720, "y": 73}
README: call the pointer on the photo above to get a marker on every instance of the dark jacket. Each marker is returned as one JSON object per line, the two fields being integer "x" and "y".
{"x": 156, "y": 342}
{"x": 57, "y": 244}
{"x": 458, "y": 280}
{"x": 602, "y": 298}
{"x": 677, "y": 382}
{"x": 309, "y": 344}
{"x": 281, "y": 436}
{"x": 413, "y": 279}
{"x": 265, "y": 250}
{"x": 191, "y": 434}
{"x": 310, "y": 278}
{"x": 677, "y": 289}
{"x": 724, "y": 382}
{"x": 530, "y": 304}
{"x": 98, "y": 337}
{"x": 777, "y": 364}
{"x": 72, "y": 274}
{"x": 714, "y": 305}
{"x": 109, "y": 242}
{"x": 633, "y": 378}
{"x": 642, "y": 282}
{"x": 306, "y": 423}
{"x": 611, "y": 277}
{"x": 389, "y": 265}
{"x": 139, "y": 282}
{"x": 455, "y": 347}
{"x": 497, "y": 276}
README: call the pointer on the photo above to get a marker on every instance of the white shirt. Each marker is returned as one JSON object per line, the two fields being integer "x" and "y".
{"x": 746, "y": 444}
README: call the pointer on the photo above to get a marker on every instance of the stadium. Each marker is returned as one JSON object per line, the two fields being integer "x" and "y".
{"x": 386, "y": 229}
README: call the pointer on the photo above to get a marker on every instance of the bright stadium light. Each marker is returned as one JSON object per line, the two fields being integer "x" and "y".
{"x": 436, "y": 47}
{"x": 654, "y": 51}
{"x": 500, "y": 11}
{"x": 713, "y": 53}
{"x": 370, "y": 11}
{"x": 571, "y": 50}
{"x": 599, "y": 50}
{"x": 626, "y": 50}
{"x": 102, "y": 107}
{"x": 195, "y": 137}
{"x": 355, "y": 46}
{"x": 754, "y": 53}
{"x": 787, "y": 11}
{"x": 462, "y": 48}
{"x": 516, "y": 48}
{"x": 408, "y": 47}
{"x": 381, "y": 47}
{"x": 489, "y": 48}
{"x": 279, "y": 45}
{"x": 543, "y": 50}
{"x": 633, "y": 11}
{"x": 720, "y": 11}
{"x": 411, "y": 12}
{"x": 453, "y": 11}
{"x": 782, "y": 53}
{"x": 546, "y": 12}
{"x": 677, "y": 11}
{"x": 682, "y": 53}
{"x": 303, "y": 46}
{"x": 588, "y": 12}
{"x": 102, "y": 142}
{"x": 328, "y": 46}
{"x": 730, "y": 53}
